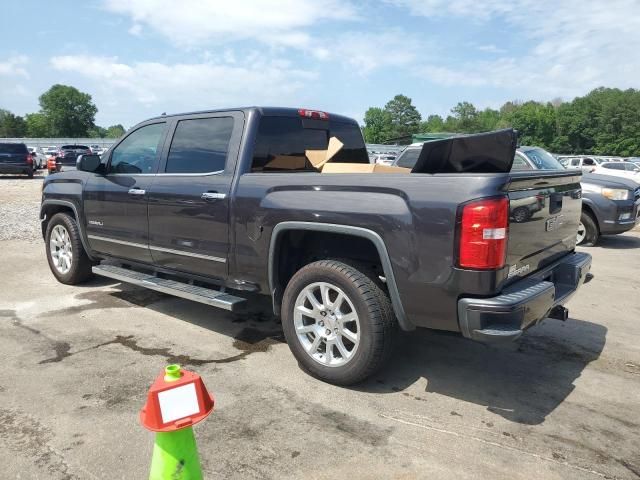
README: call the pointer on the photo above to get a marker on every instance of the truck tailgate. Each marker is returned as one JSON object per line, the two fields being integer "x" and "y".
{"x": 544, "y": 213}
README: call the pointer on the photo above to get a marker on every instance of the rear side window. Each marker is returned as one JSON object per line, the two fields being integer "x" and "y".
{"x": 13, "y": 148}
{"x": 408, "y": 158}
{"x": 200, "y": 145}
{"x": 282, "y": 141}
{"x": 614, "y": 166}
{"x": 520, "y": 164}
{"x": 542, "y": 159}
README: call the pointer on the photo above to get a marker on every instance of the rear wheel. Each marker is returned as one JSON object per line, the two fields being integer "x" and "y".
{"x": 30, "y": 173}
{"x": 588, "y": 232}
{"x": 67, "y": 259}
{"x": 337, "y": 321}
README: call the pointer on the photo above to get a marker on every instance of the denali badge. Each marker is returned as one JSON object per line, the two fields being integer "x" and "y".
{"x": 518, "y": 271}
{"x": 553, "y": 223}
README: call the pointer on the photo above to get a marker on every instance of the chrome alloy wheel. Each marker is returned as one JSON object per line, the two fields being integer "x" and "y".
{"x": 61, "y": 249}
{"x": 326, "y": 324}
{"x": 582, "y": 233}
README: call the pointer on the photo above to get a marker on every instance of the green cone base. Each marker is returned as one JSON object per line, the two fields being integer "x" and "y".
{"x": 175, "y": 456}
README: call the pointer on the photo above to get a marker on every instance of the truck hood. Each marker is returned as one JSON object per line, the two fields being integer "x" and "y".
{"x": 609, "y": 181}
{"x": 491, "y": 152}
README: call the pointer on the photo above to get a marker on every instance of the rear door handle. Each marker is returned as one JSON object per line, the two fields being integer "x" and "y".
{"x": 211, "y": 196}
{"x": 137, "y": 191}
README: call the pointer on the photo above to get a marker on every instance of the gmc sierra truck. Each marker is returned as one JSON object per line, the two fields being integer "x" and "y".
{"x": 209, "y": 205}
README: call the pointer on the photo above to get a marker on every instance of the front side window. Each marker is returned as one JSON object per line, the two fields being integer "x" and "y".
{"x": 138, "y": 152}
{"x": 542, "y": 159}
{"x": 200, "y": 145}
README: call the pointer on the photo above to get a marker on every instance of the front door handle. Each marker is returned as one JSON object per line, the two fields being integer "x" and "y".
{"x": 211, "y": 196}
{"x": 137, "y": 191}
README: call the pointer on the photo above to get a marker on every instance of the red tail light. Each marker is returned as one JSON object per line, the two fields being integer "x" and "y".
{"x": 316, "y": 114}
{"x": 51, "y": 163}
{"x": 29, "y": 158}
{"x": 483, "y": 234}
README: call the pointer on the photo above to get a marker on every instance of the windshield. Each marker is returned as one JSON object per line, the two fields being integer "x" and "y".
{"x": 542, "y": 159}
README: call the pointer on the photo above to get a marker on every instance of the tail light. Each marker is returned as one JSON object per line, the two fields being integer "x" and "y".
{"x": 483, "y": 234}
{"x": 315, "y": 114}
{"x": 29, "y": 158}
{"x": 51, "y": 163}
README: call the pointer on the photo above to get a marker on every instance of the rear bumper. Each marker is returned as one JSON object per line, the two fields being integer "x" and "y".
{"x": 525, "y": 302}
{"x": 15, "y": 168}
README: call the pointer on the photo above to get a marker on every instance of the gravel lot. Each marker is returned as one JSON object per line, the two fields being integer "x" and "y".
{"x": 562, "y": 403}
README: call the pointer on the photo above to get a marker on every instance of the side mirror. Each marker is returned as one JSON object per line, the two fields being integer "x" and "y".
{"x": 88, "y": 163}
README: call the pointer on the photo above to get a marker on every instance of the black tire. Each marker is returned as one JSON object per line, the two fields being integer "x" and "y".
{"x": 592, "y": 233}
{"x": 30, "y": 173}
{"x": 80, "y": 270}
{"x": 377, "y": 330}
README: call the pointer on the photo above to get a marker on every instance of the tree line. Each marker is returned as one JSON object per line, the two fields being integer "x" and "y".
{"x": 65, "y": 111}
{"x": 604, "y": 122}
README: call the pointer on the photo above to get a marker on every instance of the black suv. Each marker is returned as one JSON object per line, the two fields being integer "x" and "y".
{"x": 15, "y": 158}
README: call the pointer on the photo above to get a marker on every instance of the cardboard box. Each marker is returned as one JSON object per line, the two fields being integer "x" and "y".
{"x": 362, "y": 168}
{"x": 320, "y": 159}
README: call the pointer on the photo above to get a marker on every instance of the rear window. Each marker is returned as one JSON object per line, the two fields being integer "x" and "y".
{"x": 200, "y": 145}
{"x": 542, "y": 159}
{"x": 74, "y": 147}
{"x": 13, "y": 148}
{"x": 282, "y": 141}
{"x": 408, "y": 158}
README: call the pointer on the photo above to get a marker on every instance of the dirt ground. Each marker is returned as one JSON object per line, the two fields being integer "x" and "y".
{"x": 561, "y": 403}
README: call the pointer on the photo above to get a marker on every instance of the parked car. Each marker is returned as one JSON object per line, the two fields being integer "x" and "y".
{"x": 409, "y": 156}
{"x": 39, "y": 157}
{"x": 384, "y": 159}
{"x": 68, "y": 155}
{"x": 97, "y": 149}
{"x": 207, "y": 205}
{"x": 15, "y": 158}
{"x": 610, "y": 205}
{"x": 587, "y": 164}
{"x": 620, "y": 169}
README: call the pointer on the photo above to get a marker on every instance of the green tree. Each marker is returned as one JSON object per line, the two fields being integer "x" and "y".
{"x": 11, "y": 125}
{"x": 377, "y": 125}
{"x": 487, "y": 120}
{"x": 37, "y": 125}
{"x": 466, "y": 117}
{"x": 405, "y": 118}
{"x": 535, "y": 122}
{"x": 69, "y": 112}
{"x": 97, "y": 132}
{"x": 115, "y": 131}
{"x": 434, "y": 123}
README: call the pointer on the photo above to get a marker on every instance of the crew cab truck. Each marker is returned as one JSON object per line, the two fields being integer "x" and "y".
{"x": 212, "y": 204}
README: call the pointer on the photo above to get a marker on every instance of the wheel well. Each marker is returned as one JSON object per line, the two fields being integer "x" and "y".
{"x": 589, "y": 210}
{"x": 50, "y": 210}
{"x": 297, "y": 248}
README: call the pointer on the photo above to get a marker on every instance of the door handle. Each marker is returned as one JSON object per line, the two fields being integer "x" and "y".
{"x": 137, "y": 191}
{"x": 210, "y": 196}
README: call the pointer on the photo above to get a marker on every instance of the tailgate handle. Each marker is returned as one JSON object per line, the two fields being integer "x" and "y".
{"x": 555, "y": 202}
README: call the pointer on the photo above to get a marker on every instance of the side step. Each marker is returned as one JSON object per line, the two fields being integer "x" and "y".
{"x": 209, "y": 296}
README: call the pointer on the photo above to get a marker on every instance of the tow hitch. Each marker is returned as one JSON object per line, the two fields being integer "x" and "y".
{"x": 559, "y": 313}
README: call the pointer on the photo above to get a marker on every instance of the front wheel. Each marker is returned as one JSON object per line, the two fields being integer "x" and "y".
{"x": 67, "y": 259}
{"x": 338, "y": 322}
{"x": 588, "y": 232}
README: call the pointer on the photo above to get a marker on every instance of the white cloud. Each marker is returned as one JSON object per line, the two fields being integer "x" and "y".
{"x": 15, "y": 66}
{"x": 364, "y": 52}
{"x": 132, "y": 91}
{"x": 196, "y": 22}
{"x": 574, "y": 45}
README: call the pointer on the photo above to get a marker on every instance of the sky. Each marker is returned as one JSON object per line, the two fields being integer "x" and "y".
{"x": 139, "y": 58}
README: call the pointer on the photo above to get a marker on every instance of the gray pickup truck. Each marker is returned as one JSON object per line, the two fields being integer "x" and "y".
{"x": 209, "y": 205}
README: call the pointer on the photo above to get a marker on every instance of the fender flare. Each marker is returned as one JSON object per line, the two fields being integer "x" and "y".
{"x": 66, "y": 203}
{"x": 370, "y": 235}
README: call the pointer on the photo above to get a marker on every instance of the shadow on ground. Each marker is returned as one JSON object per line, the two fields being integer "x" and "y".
{"x": 522, "y": 381}
{"x": 618, "y": 242}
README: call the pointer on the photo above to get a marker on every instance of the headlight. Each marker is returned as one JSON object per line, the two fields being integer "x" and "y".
{"x": 615, "y": 193}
